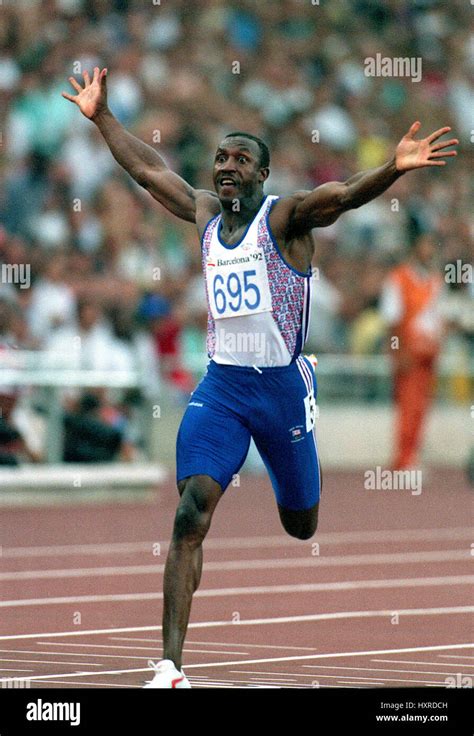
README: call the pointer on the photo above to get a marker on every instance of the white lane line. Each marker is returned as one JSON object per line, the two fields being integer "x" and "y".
{"x": 346, "y": 686}
{"x": 33, "y": 678}
{"x": 216, "y": 644}
{"x": 199, "y": 683}
{"x": 280, "y": 680}
{"x": 316, "y": 561}
{"x": 297, "y": 658}
{"x": 209, "y": 651}
{"x": 152, "y": 650}
{"x": 231, "y": 684}
{"x": 355, "y": 678}
{"x": 75, "y": 654}
{"x": 46, "y": 661}
{"x": 91, "y": 684}
{"x": 369, "y": 536}
{"x": 448, "y": 610}
{"x": 409, "y": 661}
{"x": 267, "y": 660}
{"x": 66, "y": 550}
{"x": 368, "y": 684}
{"x": 12, "y": 669}
{"x": 86, "y": 632}
{"x": 373, "y": 669}
{"x": 424, "y": 582}
{"x": 454, "y": 656}
{"x": 269, "y": 674}
{"x": 216, "y": 685}
{"x": 93, "y": 646}
{"x": 68, "y": 675}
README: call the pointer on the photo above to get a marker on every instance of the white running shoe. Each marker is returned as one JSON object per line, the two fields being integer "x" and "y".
{"x": 167, "y": 676}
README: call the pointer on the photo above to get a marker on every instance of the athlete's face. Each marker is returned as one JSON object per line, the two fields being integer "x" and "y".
{"x": 237, "y": 172}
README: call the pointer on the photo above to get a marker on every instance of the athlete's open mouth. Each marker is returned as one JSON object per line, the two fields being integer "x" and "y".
{"x": 227, "y": 182}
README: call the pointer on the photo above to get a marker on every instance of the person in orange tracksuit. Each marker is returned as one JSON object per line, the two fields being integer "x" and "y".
{"x": 410, "y": 307}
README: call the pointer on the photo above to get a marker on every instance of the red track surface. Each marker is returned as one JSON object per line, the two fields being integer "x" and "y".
{"x": 388, "y": 599}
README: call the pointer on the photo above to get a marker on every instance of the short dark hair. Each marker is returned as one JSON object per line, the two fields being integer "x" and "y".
{"x": 264, "y": 152}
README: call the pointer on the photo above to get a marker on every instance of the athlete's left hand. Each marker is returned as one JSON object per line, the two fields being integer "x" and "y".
{"x": 415, "y": 154}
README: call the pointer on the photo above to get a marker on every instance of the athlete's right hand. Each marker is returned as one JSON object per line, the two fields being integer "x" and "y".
{"x": 92, "y": 98}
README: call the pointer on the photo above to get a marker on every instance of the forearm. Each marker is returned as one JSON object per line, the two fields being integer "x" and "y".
{"x": 367, "y": 185}
{"x": 130, "y": 152}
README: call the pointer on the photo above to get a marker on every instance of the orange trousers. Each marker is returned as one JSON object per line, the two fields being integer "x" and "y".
{"x": 413, "y": 393}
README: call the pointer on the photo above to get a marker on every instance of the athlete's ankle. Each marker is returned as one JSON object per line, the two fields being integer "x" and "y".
{"x": 177, "y": 661}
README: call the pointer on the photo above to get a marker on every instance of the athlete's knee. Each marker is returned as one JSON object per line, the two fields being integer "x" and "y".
{"x": 194, "y": 513}
{"x": 300, "y": 524}
{"x": 305, "y": 531}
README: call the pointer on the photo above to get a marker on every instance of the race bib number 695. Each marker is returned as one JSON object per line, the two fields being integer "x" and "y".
{"x": 238, "y": 291}
{"x": 230, "y": 293}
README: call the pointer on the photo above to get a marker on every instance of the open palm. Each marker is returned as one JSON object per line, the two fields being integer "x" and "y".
{"x": 414, "y": 154}
{"x": 93, "y": 96}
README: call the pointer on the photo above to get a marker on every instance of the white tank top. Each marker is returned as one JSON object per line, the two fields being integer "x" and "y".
{"x": 258, "y": 304}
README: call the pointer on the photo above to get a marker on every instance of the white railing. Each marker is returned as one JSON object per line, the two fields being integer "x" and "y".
{"x": 56, "y": 372}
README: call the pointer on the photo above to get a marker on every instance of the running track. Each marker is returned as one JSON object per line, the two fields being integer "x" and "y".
{"x": 386, "y": 600}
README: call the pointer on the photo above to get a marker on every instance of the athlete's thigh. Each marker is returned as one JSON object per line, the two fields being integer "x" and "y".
{"x": 211, "y": 441}
{"x": 285, "y": 437}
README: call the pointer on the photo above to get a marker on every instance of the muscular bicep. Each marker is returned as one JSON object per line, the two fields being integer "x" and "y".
{"x": 173, "y": 192}
{"x": 318, "y": 208}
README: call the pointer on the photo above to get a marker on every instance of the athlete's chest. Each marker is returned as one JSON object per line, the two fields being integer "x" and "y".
{"x": 233, "y": 237}
{"x": 237, "y": 273}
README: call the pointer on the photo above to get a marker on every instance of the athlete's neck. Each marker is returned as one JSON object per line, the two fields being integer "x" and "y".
{"x": 238, "y": 212}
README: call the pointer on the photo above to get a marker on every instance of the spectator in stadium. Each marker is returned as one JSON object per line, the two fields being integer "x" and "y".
{"x": 52, "y": 303}
{"x": 60, "y": 185}
{"x": 410, "y": 307}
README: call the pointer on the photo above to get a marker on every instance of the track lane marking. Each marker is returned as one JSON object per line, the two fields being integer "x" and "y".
{"x": 372, "y": 584}
{"x": 448, "y": 610}
{"x": 409, "y": 661}
{"x": 218, "y": 644}
{"x": 47, "y": 661}
{"x": 355, "y": 678}
{"x": 361, "y": 536}
{"x": 314, "y": 561}
{"x": 128, "y": 648}
{"x": 268, "y": 660}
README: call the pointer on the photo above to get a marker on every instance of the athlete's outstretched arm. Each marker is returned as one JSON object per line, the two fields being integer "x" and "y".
{"x": 140, "y": 160}
{"x": 324, "y": 204}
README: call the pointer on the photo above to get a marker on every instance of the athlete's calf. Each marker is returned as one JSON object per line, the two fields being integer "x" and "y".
{"x": 199, "y": 497}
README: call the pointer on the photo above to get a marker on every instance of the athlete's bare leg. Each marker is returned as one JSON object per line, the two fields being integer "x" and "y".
{"x": 199, "y": 497}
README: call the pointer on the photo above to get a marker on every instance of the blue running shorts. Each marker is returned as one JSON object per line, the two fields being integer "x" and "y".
{"x": 275, "y": 406}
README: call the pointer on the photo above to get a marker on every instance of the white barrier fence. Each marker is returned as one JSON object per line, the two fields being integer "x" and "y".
{"x": 55, "y": 373}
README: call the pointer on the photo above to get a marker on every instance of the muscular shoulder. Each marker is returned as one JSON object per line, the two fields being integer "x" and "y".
{"x": 207, "y": 207}
{"x": 282, "y": 213}
{"x": 297, "y": 248}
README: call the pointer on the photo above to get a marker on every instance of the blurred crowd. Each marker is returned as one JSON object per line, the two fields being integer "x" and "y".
{"x": 111, "y": 265}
